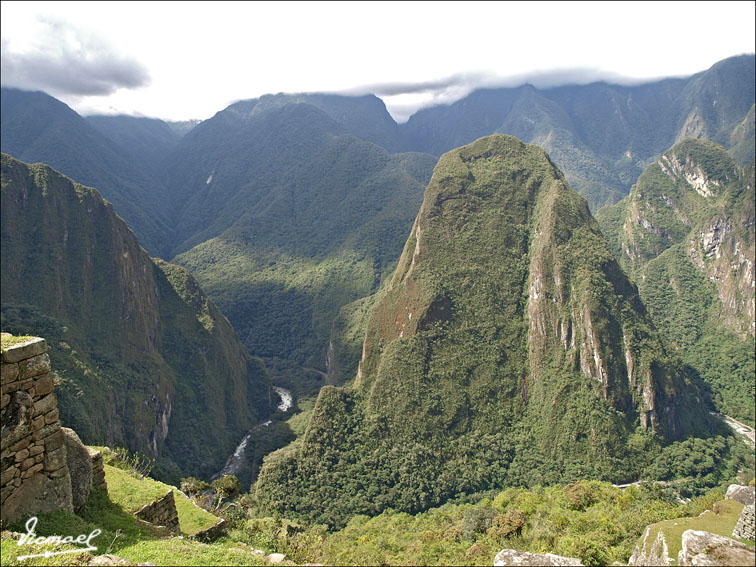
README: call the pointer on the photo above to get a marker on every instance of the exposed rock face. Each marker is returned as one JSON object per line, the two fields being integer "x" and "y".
{"x": 35, "y": 475}
{"x": 512, "y": 557}
{"x": 704, "y": 548}
{"x": 657, "y": 554}
{"x": 743, "y": 494}
{"x": 80, "y": 467}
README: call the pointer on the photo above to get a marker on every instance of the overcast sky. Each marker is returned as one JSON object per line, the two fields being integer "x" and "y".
{"x": 182, "y": 60}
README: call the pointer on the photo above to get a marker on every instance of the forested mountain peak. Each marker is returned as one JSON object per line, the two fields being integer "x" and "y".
{"x": 508, "y": 340}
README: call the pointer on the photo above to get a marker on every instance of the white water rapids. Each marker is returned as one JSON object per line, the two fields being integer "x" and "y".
{"x": 236, "y": 460}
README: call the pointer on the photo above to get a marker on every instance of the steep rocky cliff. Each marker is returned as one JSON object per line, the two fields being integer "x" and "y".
{"x": 509, "y": 347}
{"x": 145, "y": 359}
{"x": 686, "y": 233}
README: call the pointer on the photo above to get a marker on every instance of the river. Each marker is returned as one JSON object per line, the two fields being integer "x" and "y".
{"x": 239, "y": 456}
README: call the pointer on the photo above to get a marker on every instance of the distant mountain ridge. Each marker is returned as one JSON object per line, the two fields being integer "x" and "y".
{"x": 145, "y": 359}
{"x": 36, "y": 127}
{"x": 601, "y": 135}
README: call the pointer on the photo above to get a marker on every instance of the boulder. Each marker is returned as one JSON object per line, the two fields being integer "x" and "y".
{"x": 742, "y": 494}
{"x": 79, "y": 466}
{"x": 37, "y": 495}
{"x": 512, "y": 557}
{"x": 704, "y": 548}
{"x": 276, "y": 557}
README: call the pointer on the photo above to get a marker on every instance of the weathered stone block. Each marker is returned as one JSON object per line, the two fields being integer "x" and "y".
{"x": 28, "y": 349}
{"x": 32, "y": 470}
{"x": 9, "y": 373}
{"x": 55, "y": 440}
{"x": 38, "y": 423}
{"x": 36, "y": 450}
{"x": 27, "y": 463}
{"x": 22, "y": 444}
{"x": 512, "y": 557}
{"x": 45, "y": 404}
{"x": 44, "y": 385}
{"x": 55, "y": 459}
{"x": 704, "y": 548}
{"x": 743, "y": 494}
{"x": 34, "y": 366}
{"x": 21, "y": 455}
{"x": 4, "y": 400}
{"x": 79, "y": 466}
{"x": 8, "y": 475}
{"x": 51, "y": 417}
{"x": 46, "y": 431}
{"x": 38, "y": 494}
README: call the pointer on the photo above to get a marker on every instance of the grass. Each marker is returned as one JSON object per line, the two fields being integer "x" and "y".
{"x": 126, "y": 536}
{"x": 9, "y": 340}
{"x": 132, "y": 493}
{"x": 720, "y": 520}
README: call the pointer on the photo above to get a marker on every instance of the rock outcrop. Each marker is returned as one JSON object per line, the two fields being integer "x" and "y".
{"x": 704, "y": 548}
{"x": 746, "y": 495}
{"x": 513, "y": 557}
{"x": 656, "y": 554}
{"x": 35, "y": 474}
{"x": 80, "y": 467}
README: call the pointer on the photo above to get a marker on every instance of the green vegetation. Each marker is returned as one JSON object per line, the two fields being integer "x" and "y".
{"x": 720, "y": 520}
{"x": 288, "y": 219}
{"x": 700, "y": 298}
{"x": 461, "y": 391}
{"x": 143, "y": 358}
{"x": 126, "y": 536}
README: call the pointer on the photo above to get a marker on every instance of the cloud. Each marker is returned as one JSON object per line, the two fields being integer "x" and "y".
{"x": 66, "y": 60}
{"x": 403, "y": 99}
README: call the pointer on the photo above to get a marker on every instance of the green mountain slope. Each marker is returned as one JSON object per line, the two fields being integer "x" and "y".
{"x": 601, "y": 135}
{"x": 145, "y": 359}
{"x": 150, "y": 140}
{"x": 287, "y": 218}
{"x": 36, "y": 127}
{"x": 508, "y": 348}
{"x": 686, "y": 233}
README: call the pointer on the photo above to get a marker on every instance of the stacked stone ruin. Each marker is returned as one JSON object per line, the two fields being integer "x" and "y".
{"x": 35, "y": 475}
{"x": 161, "y": 512}
{"x": 744, "y": 529}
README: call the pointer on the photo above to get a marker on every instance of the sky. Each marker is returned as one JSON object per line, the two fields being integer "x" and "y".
{"x": 189, "y": 60}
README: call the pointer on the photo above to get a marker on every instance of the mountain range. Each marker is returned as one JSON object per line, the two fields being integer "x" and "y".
{"x": 292, "y": 211}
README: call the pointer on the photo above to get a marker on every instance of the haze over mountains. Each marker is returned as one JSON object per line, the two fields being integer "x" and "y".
{"x": 292, "y": 211}
{"x": 257, "y": 204}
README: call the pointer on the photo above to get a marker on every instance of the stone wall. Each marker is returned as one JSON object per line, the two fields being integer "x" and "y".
{"x": 98, "y": 469}
{"x": 161, "y": 512}
{"x": 212, "y": 533}
{"x": 744, "y": 529}
{"x": 35, "y": 476}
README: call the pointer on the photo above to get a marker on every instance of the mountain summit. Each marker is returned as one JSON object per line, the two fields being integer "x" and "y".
{"x": 509, "y": 348}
